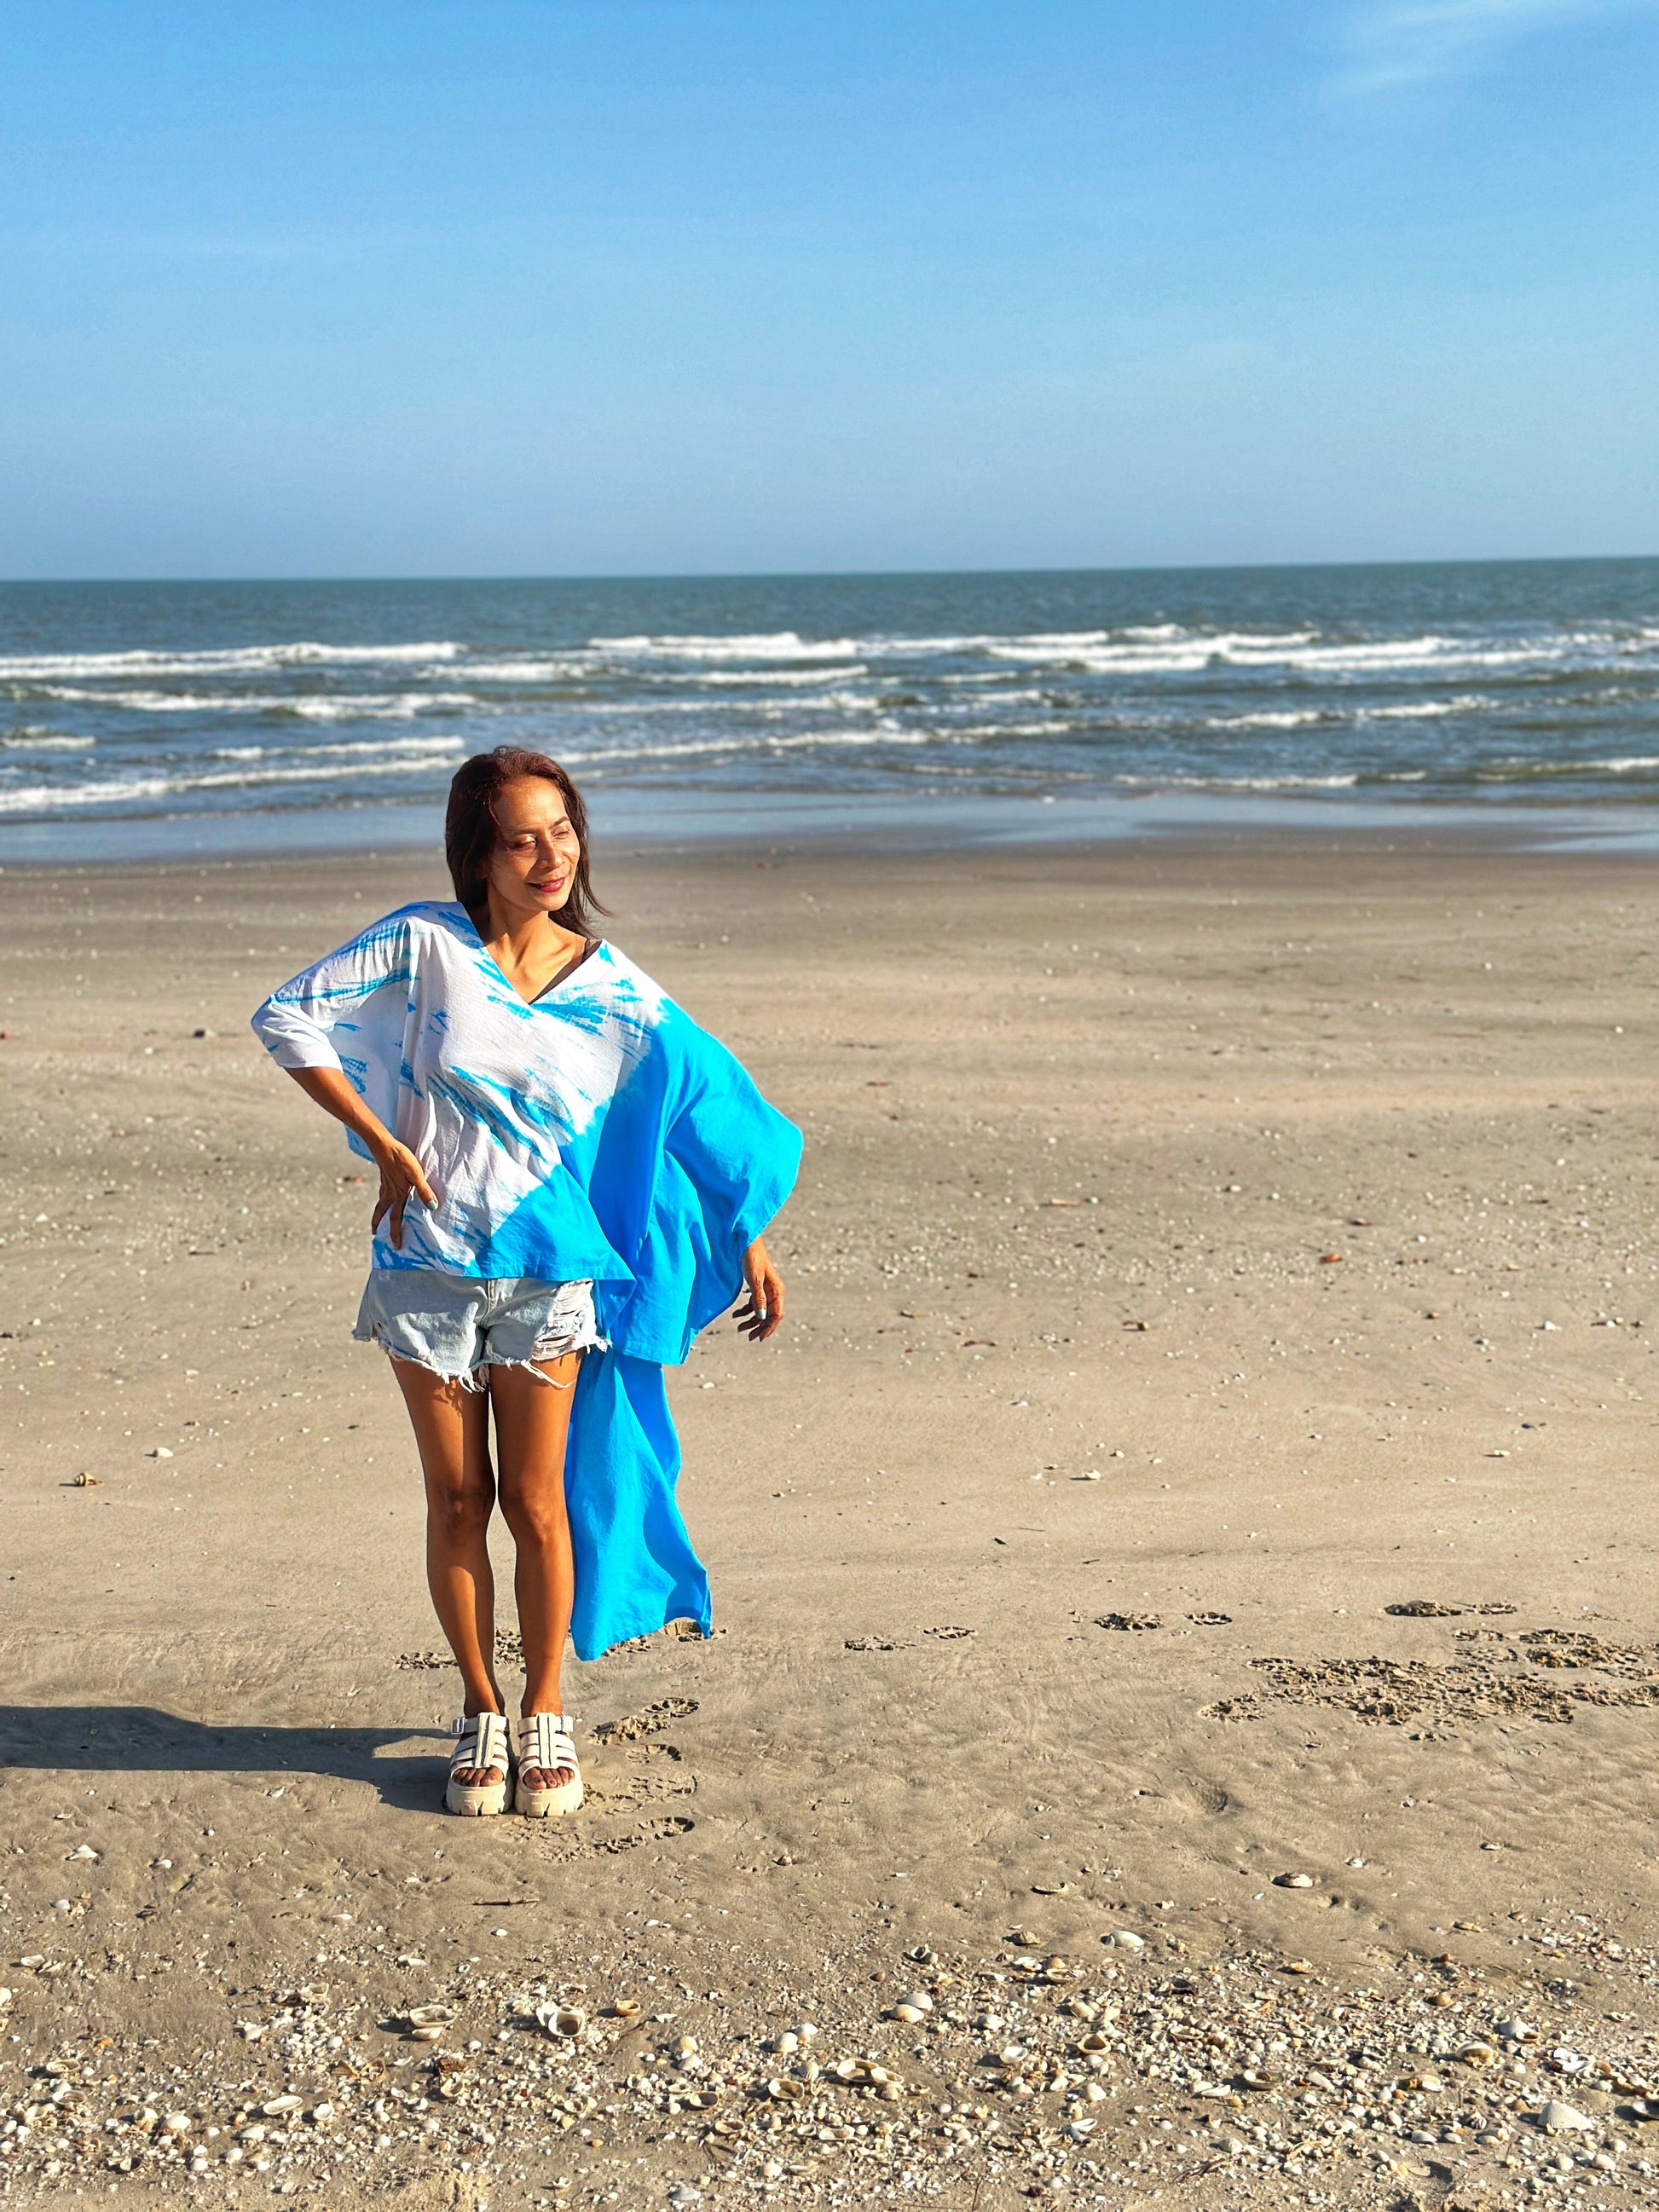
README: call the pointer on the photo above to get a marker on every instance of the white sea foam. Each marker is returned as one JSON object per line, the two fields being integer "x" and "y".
{"x": 1513, "y": 769}
{"x": 1292, "y": 719}
{"x": 34, "y": 798}
{"x": 249, "y": 660}
{"x": 1237, "y": 782}
{"x": 1051, "y": 729}
{"x": 781, "y": 676}
{"x": 600, "y": 661}
{"x": 1441, "y": 655}
{"x": 117, "y": 790}
{"x": 992, "y": 680}
{"x": 705, "y": 748}
{"x": 1190, "y": 653}
{"x": 648, "y": 708}
{"x": 368, "y": 748}
{"x": 571, "y": 667}
{"x": 1167, "y": 650}
{"x": 401, "y": 706}
{"x": 307, "y": 706}
{"x": 772, "y": 645}
{"x": 396, "y": 748}
{"x": 1429, "y": 710}
{"x": 29, "y": 740}
{"x": 1171, "y": 649}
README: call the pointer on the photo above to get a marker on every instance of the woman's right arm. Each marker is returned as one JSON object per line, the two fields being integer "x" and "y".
{"x": 342, "y": 996}
{"x": 401, "y": 1173}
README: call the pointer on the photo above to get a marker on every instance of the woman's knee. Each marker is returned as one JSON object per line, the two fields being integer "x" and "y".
{"x": 460, "y": 1509}
{"x": 536, "y": 1516}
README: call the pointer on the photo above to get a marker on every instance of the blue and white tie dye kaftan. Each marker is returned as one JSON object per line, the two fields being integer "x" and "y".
{"x": 597, "y": 1132}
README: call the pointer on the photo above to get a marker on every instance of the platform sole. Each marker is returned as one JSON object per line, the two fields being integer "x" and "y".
{"x": 548, "y": 1804}
{"x": 475, "y": 1801}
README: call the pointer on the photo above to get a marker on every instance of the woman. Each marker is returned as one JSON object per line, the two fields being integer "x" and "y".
{"x": 574, "y": 1179}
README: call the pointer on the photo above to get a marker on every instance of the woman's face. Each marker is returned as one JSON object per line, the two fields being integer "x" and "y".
{"x": 534, "y": 863}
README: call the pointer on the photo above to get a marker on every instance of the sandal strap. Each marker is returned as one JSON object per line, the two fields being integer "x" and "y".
{"x": 482, "y": 1744}
{"x": 545, "y": 1743}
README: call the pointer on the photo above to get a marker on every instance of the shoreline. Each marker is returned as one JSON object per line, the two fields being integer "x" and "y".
{"x": 1064, "y": 830}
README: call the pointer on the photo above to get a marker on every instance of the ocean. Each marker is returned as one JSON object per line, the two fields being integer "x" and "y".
{"x": 178, "y": 718}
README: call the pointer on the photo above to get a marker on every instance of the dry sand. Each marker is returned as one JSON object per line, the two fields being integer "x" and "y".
{"x": 1237, "y": 1242}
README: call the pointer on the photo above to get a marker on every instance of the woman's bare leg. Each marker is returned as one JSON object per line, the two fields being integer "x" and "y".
{"x": 532, "y": 1423}
{"x": 451, "y": 1430}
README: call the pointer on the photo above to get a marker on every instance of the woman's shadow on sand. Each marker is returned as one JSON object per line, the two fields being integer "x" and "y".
{"x": 141, "y": 1739}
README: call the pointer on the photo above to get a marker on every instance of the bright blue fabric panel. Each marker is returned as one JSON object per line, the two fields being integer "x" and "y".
{"x": 635, "y": 1569}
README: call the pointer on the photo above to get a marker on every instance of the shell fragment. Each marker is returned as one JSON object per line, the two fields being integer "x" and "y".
{"x": 1560, "y": 2119}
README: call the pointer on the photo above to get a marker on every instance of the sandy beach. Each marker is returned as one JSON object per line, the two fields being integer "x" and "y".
{"x": 1210, "y": 1445}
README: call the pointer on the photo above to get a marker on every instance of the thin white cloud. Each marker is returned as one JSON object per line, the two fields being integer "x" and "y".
{"x": 1394, "y": 43}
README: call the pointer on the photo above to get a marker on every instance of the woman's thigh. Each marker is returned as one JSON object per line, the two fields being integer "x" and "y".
{"x": 451, "y": 1430}
{"x": 532, "y": 1425}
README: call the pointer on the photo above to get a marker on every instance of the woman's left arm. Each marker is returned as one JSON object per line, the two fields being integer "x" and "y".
{"x": 761, "y": 1311}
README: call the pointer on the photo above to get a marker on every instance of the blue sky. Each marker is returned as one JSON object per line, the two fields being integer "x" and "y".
{"x": 341, "y": 287}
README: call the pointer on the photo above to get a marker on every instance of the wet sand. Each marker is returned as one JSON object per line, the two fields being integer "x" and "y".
{"x": 1200, "y": 1252}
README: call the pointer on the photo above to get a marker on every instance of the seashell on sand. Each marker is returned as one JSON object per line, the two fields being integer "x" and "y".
{"x": 1560, "y": 2119}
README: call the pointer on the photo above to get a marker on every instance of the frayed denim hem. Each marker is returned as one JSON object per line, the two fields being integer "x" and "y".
{"x": 477, "y": 1379}
{"x": 455, "y": 1327}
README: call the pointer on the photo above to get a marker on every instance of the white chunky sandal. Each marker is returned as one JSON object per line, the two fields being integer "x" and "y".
{"x": 545, "y": 1743}
{"x": 481, "y": 1746}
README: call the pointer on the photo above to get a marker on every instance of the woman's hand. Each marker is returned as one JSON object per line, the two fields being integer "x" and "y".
{"x": 400, "y": 1171}
{"x": 401, "y": 1174}
{"x": 760, "y": 1314}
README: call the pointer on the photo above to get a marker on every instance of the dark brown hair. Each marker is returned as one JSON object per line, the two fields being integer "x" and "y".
{"x": 470, "y": 830}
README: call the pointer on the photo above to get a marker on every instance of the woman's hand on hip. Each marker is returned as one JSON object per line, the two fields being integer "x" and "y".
{"x": 400, "y": 1171}
{"x": 401, "y": 1176}
{"x": 761, "y": 1312}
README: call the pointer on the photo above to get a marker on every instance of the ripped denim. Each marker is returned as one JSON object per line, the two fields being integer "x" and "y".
{"x": 458, "y": 1326}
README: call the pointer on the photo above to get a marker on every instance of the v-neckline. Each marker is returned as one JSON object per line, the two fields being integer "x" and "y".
{"x": 590, "y": 946}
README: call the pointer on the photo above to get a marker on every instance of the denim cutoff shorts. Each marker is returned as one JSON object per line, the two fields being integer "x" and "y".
{"x": 458, "y": 1325}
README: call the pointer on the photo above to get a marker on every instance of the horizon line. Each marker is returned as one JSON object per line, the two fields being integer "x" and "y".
{"x": 830, "y": 575}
